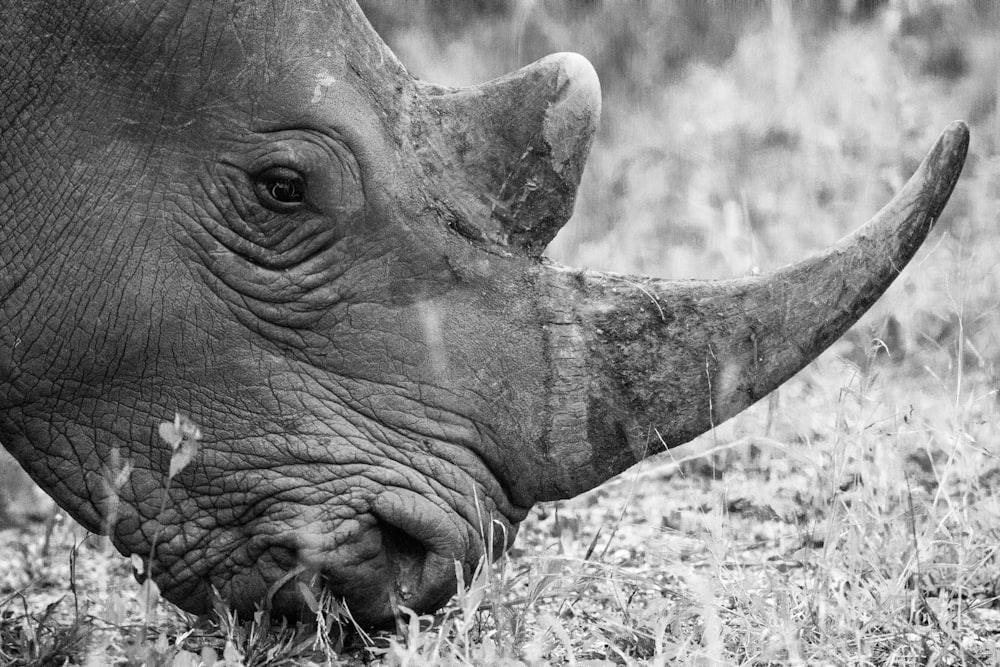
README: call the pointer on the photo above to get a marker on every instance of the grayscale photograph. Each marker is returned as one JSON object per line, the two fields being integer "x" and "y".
{"x": 499, "y": 332}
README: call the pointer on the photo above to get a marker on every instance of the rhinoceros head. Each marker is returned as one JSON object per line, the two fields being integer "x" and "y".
{"x": 248, "y": 212}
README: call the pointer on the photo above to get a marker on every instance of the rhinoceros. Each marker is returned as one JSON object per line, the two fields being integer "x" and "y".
{"x": 248, "y": 212}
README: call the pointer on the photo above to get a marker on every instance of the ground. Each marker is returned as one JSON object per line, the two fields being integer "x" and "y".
{"x": 850, "y": 518}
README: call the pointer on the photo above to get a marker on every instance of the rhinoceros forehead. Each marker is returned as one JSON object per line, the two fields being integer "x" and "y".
{"x": 175, "y": 59}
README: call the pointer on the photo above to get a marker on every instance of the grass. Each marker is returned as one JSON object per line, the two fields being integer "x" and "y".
{"x": 850, "y": 518}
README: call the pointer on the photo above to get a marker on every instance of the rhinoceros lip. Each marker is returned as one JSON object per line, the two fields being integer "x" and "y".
{"x": 415, "y": 568}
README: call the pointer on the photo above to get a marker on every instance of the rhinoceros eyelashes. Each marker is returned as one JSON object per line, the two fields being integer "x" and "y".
{"x": 280, "y": 189}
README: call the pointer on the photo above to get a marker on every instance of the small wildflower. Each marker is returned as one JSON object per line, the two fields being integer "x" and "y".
{"x": 182, "y": 435}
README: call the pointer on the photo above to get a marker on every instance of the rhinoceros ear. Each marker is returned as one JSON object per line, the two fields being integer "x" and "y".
{"x": 516, "y": 145}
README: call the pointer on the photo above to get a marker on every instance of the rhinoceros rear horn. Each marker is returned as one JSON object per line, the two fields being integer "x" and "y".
{"x": 518, "y": 143}
{"x": 642, "y": 364}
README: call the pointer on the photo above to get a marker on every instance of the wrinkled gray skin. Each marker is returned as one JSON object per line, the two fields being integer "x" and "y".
{"x": 249, "y": 213}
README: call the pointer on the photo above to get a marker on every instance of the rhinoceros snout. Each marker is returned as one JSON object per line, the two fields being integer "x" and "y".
{"x": 406, "y": 552}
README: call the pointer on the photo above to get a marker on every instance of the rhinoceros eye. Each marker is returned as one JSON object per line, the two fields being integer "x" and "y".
{"x": 280, "y": 189}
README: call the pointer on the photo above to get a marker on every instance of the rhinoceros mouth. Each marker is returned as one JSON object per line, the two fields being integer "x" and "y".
{"x": 413, "y": 544}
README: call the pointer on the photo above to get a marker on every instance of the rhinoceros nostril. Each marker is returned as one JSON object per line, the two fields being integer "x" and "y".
{"x": 406, "y": 555}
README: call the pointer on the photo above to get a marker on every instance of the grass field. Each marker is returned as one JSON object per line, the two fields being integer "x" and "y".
{"x": 853, "y": 517}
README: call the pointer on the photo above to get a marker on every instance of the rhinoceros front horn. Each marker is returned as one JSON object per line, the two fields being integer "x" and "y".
{"x": 641, "y": 364}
